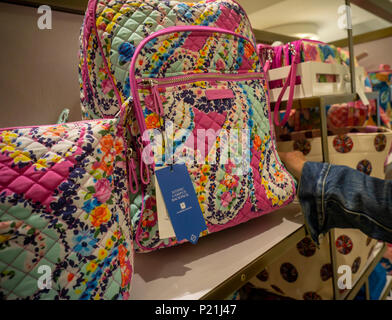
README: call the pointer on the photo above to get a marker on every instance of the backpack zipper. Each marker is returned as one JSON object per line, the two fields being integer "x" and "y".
{"x": 150, "y": 82}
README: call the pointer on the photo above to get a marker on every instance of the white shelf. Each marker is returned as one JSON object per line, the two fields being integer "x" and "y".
{"x": 366, "y": 271}
{"x": 193, "y": 271}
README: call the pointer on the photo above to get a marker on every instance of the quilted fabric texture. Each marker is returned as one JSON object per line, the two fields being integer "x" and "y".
{"x": 112, "y": 30}
{"x": 112, "y": 34}
{"x": 64, "y": 208}
{"x": 229, "y": 192}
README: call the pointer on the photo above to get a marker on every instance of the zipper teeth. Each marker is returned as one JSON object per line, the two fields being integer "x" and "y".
{"x": 201, "y": 77}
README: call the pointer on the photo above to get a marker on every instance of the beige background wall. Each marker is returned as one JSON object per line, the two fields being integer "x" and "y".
{"x": 39, "y": 75}
{"x": 380, "y": 51}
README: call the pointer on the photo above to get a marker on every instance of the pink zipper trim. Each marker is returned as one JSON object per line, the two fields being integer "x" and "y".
{"x": 246, "y": 15}
{"x": 89, "y": 22}
{"x": 132, "y": 79}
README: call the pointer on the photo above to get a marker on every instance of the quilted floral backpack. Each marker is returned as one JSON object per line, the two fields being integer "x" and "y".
{"x": 184, "y": 68}
{"x": 65, "y": 230}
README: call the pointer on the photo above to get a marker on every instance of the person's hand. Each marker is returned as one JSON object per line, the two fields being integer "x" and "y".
{"x": 294, "y": 161}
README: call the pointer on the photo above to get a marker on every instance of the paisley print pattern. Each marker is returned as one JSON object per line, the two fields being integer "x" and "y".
{"x": 263, "y": 275}
{"x": 311, "y": 296}
{"x": 356, "y": 265}
{"x": 116, "y": 67}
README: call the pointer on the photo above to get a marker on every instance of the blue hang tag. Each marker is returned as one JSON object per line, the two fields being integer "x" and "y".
{"x": 181, "y": 202}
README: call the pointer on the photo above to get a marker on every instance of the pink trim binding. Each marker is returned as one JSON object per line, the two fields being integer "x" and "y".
{"x": 291, "y": 79}
{"x": 247, "y": 18}
{"x": 88, "y": 25}
{"x": 132, "y": 176}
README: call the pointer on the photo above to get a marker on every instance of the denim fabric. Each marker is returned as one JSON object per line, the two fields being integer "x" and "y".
{"x": 334, "y": 196}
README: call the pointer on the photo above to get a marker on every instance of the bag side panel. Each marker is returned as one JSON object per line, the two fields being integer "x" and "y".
{"x": 64, "y": 208}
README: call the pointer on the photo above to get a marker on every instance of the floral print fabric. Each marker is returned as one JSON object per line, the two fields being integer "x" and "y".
{"x": 64, "y": 206}
{"x": 229, "y": 193}
{"x": 113, "y": 29}
{"x": 112, "y": 32}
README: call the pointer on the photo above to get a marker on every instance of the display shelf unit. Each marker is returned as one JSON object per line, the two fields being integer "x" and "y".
{"x": 220, "y": 263}
{"x": 387, "y": 289}
{"x": 322, "y": 102}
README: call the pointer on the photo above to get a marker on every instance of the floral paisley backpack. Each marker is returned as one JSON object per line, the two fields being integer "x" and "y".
{"x": 184, "y": 68}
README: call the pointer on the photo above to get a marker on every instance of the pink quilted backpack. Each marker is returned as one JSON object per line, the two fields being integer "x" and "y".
{"x": 185, "y": 68}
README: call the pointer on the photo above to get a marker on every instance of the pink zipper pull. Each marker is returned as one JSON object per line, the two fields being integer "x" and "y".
{"x": 156, "y": 98}
{"x": 132, "y": 174}
{"x": 144, "y": 171}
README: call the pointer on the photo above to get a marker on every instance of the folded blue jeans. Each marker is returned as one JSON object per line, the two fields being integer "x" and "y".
{"x": 334, "y": 196}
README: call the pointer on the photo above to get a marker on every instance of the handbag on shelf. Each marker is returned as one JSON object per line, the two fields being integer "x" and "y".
{"x": 65, "y": 229}
{"x": 191, "y": 67}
